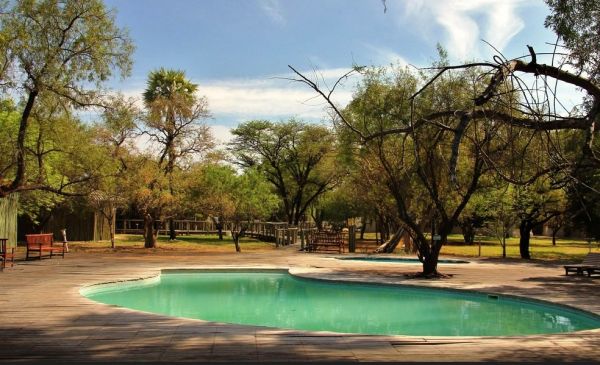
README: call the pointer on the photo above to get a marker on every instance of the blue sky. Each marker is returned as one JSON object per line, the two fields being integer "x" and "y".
{"x": 236, "y": 49}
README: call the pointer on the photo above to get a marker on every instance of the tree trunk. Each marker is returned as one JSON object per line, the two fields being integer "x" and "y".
{"x": 390, "y": 245}
{"x": 430, "y": 266}
{"x": 20, "y": 150}
{"x": 236, "y": 242}
{"x": 430, "y": 261}
{"x": 172, "y": 233}
{"x": 149, "y": 232}
{"x": 524, "y": 231}
{"x": 468, "y": 232}
{"x": 363, "y": 228}
{"x": 111, "y": 231}
{"x": 554, "y": 233}
{"x": 318, "y": 218}
{"x": 220, "y": 230}
{"x": 236, "y": 235}
{"x": 219, "y": 226}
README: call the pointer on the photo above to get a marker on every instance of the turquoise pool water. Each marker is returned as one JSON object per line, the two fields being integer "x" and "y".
{"x": 277, "y": 299}
{"x": 397, "y": 259}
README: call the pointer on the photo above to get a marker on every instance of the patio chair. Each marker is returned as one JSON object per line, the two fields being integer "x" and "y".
{"x": 590, "y": 264}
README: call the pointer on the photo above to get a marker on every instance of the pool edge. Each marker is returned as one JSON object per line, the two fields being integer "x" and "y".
{"x": 88, "y": 288}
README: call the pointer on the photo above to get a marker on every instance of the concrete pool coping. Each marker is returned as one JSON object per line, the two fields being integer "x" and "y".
{"x": 88, "y": 289}
{"x": 45, "y": 318}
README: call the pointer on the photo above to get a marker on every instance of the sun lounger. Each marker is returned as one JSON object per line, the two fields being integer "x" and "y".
{"x": 590, "y": 264}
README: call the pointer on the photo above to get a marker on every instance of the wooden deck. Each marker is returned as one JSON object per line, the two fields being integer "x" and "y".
{"x": 48, "y": 320}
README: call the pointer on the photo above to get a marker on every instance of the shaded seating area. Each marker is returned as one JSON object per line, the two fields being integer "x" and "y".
{"x": 328, "y": 241}
{"x": 590, "y": 265}
{"x": 6, "y": 253}
{"x": 44, "y": 244}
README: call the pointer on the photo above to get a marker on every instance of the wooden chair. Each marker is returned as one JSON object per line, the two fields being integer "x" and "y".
{"x": 6, "y": 253}
{"x": 44, "y": 243}
{"x": 590, "y": 264}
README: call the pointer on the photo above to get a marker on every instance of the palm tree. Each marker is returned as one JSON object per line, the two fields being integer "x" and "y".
{"x": 173, "y": 113}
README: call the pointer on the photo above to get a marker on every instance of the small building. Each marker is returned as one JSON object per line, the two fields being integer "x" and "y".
{"x": 81, "y": 222}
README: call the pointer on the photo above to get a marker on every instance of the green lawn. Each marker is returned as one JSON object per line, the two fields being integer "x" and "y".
{"x": 540, "y": 248}
{"x": 191, "y": 243}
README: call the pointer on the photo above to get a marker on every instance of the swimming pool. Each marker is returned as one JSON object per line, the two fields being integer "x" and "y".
{"x": 278, "y": 299}
{"x": 404, "y": 260}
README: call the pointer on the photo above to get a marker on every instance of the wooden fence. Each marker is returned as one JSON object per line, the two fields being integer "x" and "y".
{"x": 8, "y": 218}
{"x": 279, "y": 232}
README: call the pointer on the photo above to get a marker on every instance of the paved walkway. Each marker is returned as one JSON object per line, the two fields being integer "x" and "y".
{"x": 43, "y": 316}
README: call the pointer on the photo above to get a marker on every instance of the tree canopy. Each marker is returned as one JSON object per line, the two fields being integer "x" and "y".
{"x": 297, "y": 158}
{"x": 58, "y": 52}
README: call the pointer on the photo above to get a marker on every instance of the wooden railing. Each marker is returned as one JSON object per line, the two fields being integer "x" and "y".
{"x": 281, "y": 233}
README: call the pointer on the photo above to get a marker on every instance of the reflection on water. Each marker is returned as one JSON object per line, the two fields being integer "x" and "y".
{"x": 281, "y": 300}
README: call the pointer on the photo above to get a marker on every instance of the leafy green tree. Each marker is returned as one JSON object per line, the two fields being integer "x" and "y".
{"x": 475, "y": 215}
{"x": 147, "y": 188}
{"x": 336, "y": 206}
{"x": 501, "y": 217}
{"x": 114, "y": 138}
{"x": 175, "y": 122}
{"x": 298, "y": 159}
{"x": 429, "y": 156}
{"x": 55, "y": 50}
{"x": 534, "y": 205}
{"x": 219, "y": 191}
{"x": 62, "y": 156}
{"x": 577, "y": 23}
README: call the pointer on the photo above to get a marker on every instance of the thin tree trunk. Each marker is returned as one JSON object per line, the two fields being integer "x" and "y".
{"x": 219, "y": 226}
{"x": 554, "y": 233}
{"x": 149, "y": 232}
{"x": 20, "y": 156}
{"x": 172, "y": 233}
{"x": 524, "y": 231}
{"x": 111, "y": 233}
{"x": 363, "y": 228}
{"x": 236, "y": 242}
{"x": 468, "y": 232}
{"x": 236, "y": 235}
{"x": 220, "y": 231}
{"x": 390, "y": 245}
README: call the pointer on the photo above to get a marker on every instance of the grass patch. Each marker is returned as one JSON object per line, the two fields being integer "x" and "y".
{"x": 183, "y": 244}
{"x": 540, "y": 248}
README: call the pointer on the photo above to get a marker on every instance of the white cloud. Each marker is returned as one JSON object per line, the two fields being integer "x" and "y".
{"x": 503, "y": 24}
{"x": 385, "y": 56}
{"x": 273, "y": 10}
{"x": 270, "y": 97}
{"x": 273, "y": 97}
{"x": 465, "y": 22}
{"x": 221, "y": 133}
